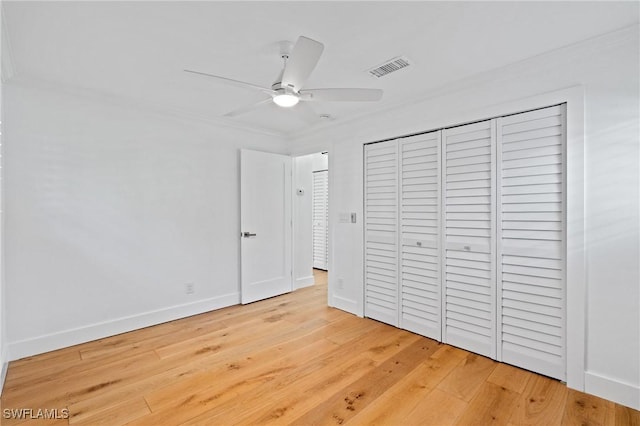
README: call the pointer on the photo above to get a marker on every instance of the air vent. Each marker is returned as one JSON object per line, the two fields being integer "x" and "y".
{"x": 390, "y": 66}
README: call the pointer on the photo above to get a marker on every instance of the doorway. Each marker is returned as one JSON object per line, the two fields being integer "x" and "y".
{"x": 311, "y": 219}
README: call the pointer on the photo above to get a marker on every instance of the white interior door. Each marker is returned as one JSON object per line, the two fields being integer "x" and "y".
{"x": 381, "y": 232}
{"x": 320, "y": 219}
{"x": 531, "y": 241}
{"x": 265, "y": 210}
{"x": 420, "y": 270}
{"x": 469, "y": 313}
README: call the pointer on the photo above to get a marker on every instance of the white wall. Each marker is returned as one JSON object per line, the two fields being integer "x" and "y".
{"x": 304, "y": 166}
{"x": 110, "y": 211}
{"x": 608, "y": 67}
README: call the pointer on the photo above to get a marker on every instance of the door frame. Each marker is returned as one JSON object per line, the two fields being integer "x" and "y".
{"x": 294, "y": 247}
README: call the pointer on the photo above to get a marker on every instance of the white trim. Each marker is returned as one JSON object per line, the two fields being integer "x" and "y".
{"x": 149, "y": 107}
{"x": 576, "y": 315}
{"x": 4, "y": 367}
{"x": 74, "y": 336}
{"x": 345, "y": 304}
{"x": 304, "y": 282}
{"x": 495, "y": 206}
{"x": 399, "y": 195}
{"x": 497, "y": 187}
{"x": 330, "y": 277}
{"x": 613, "y": 390}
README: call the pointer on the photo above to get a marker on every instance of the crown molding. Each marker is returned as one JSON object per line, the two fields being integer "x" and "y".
{"x": 588, "y": 46}
{"x": 32, "y": 82}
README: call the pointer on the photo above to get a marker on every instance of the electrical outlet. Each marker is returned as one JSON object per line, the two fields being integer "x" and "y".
{"x": 189, "y": 288}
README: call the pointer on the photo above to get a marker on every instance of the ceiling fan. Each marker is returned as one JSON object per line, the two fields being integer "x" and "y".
{"x": 288, "y": 89}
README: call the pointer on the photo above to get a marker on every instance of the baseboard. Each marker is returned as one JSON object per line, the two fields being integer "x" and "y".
{"x": 614, "y": 390}
{"x": 345, "y": 304}
{"x": 304, "y": 282}
{"x": 66, "y": 338}
{"x": 4, "y": 366}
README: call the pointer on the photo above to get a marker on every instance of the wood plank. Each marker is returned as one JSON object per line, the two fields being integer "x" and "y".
{"x": 295, "y": 393}
{"x": 276, "y": 403}
{"x": 237, "y": 367}
{"x": 584, "y": 409}
{"x": 47, "y": 363}
{"x": 341, "y": 333}
{"x": 207, "y": 393}
{"x": 437, "y": 408}
{"x": 626, "y": 416}
{"x": 466, "y": 379}
{"x": 510, "y": 377}
{"x": 80, "y": 385}
{"x": 347, "y": 402}
{"x": 411, "y": 390}
{"x": 542, "y": 402}
{"x": 492, "y": 404}
{"x": 112, "y": 415}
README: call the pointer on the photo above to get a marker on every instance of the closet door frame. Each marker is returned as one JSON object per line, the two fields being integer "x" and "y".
{"x": 576, "y": 287}
{"x": 535, "y": 363}
{"x": 576, "y": 290}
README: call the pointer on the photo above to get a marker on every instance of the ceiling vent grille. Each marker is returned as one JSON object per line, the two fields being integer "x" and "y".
{"x": 389, "y": 66}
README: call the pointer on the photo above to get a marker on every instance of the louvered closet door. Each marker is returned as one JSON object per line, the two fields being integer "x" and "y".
{"x": 381, "y": 234}
{"x": 531, "y": 232}
{"x": 320, "y": 225}
{"x": 420, "y": 280}
{"x": 469, "y": 240}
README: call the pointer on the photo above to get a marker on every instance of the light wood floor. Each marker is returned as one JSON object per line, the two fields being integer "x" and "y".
{"x": 290, "y": 359}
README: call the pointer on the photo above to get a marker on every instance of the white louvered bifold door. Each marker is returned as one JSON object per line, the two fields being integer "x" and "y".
{"x": 381, "y": 231}
{"x": 531, "y": 241}
{"x": 420, "y": 279}
{"x": 469, "y": 241}
{"x": 320, "y": 216}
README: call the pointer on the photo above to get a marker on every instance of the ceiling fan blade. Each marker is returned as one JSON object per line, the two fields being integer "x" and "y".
{"x": 235, "y": 82}
{"x": 306, "y": 113}
{"x": 342, "y": 95}
{"x": 302, "y": 60}
{"x": 248, "y": 108}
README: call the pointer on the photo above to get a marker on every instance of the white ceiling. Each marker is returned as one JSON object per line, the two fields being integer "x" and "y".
{"x": 137, "y": 50}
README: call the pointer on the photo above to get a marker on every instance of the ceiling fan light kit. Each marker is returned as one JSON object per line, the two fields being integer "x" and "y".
{"x": 288, "y": 90}
{"x": 285, "y": 100}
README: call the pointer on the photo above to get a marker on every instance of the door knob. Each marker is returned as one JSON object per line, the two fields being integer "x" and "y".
{"x": 247, "y": 235}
